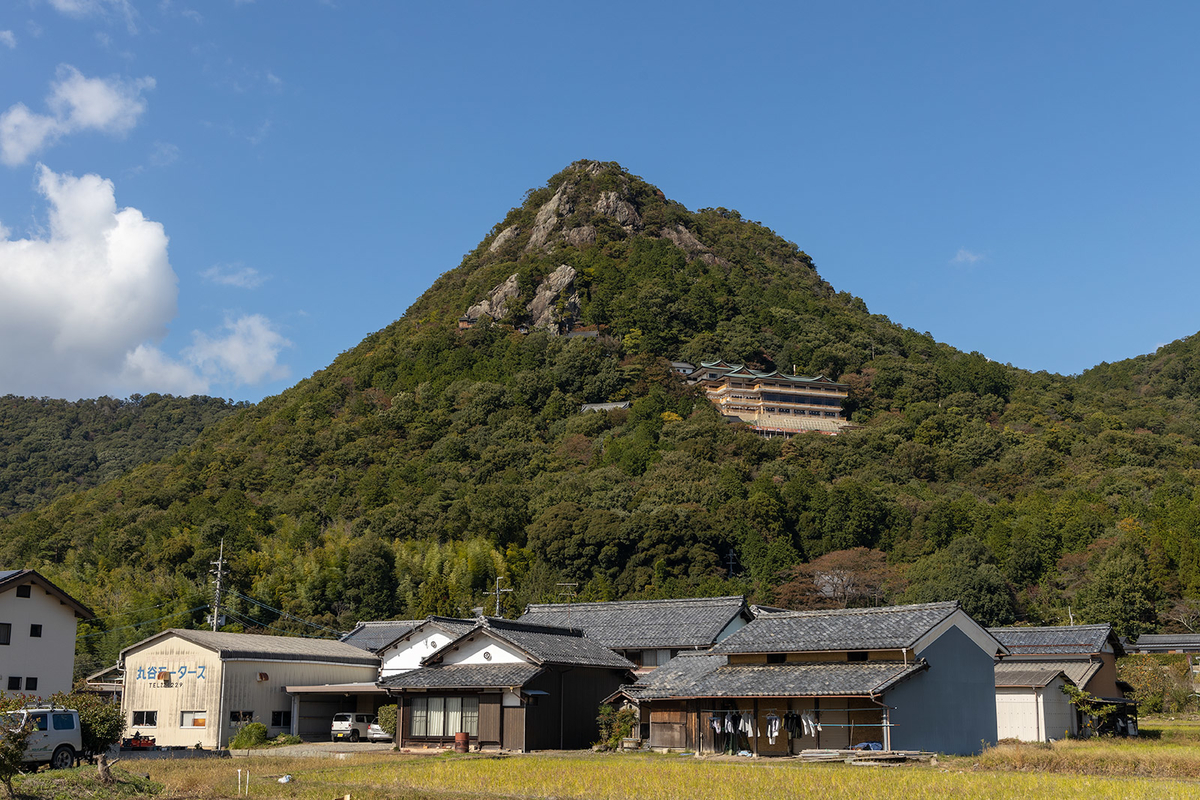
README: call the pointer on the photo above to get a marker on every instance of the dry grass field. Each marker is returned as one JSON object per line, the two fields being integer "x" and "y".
{"x": 1165, "y": 764}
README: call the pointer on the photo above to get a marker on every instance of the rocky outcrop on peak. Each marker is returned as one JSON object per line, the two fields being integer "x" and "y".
{"x": 610, "y": 204}
{"x": 547, "y": 217}
{"x": 555, "y": 305}
{"x": 581, "y": 236}
{"x": 686, "y": 241}
{"x": 496, "y": 304}
{"x": 504, "y": 237}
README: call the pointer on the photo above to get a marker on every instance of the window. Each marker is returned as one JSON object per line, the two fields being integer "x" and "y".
{"x": 442, "y": 717}
{"x": 240, "y": 717}
{"x": 14, "y": 683}
{"x": 856, "y": 655}
{"x": 145, "y": 719}
{"x": 31, "y": 684}
{"x": 776, "y": 658}
{"x": 41, "y": 721}
{"x": 63, "y": 722}
{"x": 5, "y": 632}
{"x": 35, "y": 631}
{"x": 281, "y": 719}
{"x": 193, "y": 719}
{"x": 23, "y": 591}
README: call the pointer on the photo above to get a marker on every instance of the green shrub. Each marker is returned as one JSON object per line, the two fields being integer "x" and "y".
{"x": 615, "y": 725}
{"x": 286, "y": 738}
{"x": 252, "y": 734}
{"x": 387, "y": 719}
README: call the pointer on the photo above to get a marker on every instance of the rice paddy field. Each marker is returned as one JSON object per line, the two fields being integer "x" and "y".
{"x": 1164, "y": 764}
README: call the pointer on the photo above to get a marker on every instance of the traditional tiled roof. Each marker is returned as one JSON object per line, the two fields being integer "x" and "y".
{"x": 10, "y": 578}
{"x": 374, "y": 636}
{"x": 887, "y": 628}
{"x": 1033, "y": 674}
{"x": 544, "y": 644}
{"x": 1166, "y": 642}
{"x": 723, "y": 368}
{"x": 642, "y": 624}
{"x": 276, "y": 648}
{"x": 464, "y": 676}
{"x": 795, "y": 679}
{"x": 1057, "y": 640}
{"x": 677, "y": 675}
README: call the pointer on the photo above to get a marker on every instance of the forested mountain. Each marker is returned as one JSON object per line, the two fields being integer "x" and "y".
{"x": 49, "y": 448}
{"x": 426, "y": 461}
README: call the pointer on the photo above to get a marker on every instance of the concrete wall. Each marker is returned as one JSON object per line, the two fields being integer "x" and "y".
{"x": 950, "y": 707}
{"x": 50, "y": 658}
{"x": 200, "y": 681}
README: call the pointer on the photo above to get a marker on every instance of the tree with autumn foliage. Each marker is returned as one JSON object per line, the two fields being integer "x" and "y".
{"x": 859, "y": 576}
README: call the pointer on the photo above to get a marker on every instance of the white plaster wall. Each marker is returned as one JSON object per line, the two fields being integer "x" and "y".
{"x": 407, "y": 654}
{"x": 51, "y": 657}
{"x": 483, "y": 649}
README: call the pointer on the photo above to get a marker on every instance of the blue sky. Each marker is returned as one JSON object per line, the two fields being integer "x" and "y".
{"x": 221, "y": 196}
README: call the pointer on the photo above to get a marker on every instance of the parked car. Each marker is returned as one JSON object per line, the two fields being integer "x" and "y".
{"x": 349, "y": 726}
{"x": 56, "y": 737}
{"x": 376, "y": 733}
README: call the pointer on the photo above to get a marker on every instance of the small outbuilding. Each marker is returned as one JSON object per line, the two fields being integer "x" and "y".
{"x": 1086, "y": 655}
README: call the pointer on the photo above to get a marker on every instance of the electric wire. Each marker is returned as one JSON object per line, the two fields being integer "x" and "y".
{"x": 284, "y": 613}
{"x": 139, "y": 624}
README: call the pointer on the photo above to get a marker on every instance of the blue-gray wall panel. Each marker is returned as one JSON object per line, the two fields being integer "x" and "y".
{"x": 950, "y": 707}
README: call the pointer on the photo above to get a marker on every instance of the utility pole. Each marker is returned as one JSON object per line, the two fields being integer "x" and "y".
{"x": 498, "y": 592}
{"x": 732, "y": 559}
{"x": 219, "y": 572}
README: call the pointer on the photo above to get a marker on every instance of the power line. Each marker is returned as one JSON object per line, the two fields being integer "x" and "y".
{"x": 282, "y": 613}
{"x": 258, "y": 623}
{"x": 139, "y": 624}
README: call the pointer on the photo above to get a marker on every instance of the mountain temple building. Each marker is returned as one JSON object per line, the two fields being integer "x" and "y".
{"x": 773, "y": 403}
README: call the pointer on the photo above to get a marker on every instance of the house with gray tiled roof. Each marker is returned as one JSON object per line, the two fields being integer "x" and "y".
{"x": 1086, "y": 655}
{"x": 917, "y": 677}
{"x": 648, "y": 632}
{"x": 373, "y": 636}
{"x": 406, "y": 651}
{"x": 508, "y": 684}
{"x": 1167, "y": 643}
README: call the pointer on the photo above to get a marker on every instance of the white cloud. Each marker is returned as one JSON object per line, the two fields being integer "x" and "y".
{"x": 77, "y": 103}
{"x": 164, "y": 154}
{"x": 247, "y": 353}
{"x": 80, "y": 9}
{"x": 234, "y": 275}
{"x": 9, "y": 39}
{"x": 965, "y": 256}
{"x": 83, "y": 305}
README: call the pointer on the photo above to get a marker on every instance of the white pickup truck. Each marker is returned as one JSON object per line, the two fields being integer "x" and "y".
{"x": 56, "y": 737}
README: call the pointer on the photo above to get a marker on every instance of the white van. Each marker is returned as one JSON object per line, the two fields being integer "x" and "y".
{"x": 56, "y": 737}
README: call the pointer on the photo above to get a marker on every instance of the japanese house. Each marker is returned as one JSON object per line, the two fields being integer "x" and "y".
{"x": 37, "y": 634}
{"x": 648, "y": 632}
{"x": 1085, "y": 654}
{"x": 188, "y": 688}
{"x": 917, "y": 677}
{"x": 509, "y": 685}
{"x": 409, "y": 649}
